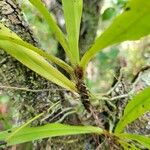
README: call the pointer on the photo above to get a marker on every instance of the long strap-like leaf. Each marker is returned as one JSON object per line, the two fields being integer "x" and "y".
{"x": 132, "y": 24}
{"x": 33, "y": 60}
{"x": 49, "y": 57}
{"x": 53, "y": 25}
{"x": 72, "y": 12}
{"x": 49, "y": 130}
{"x": 134, "y": 109}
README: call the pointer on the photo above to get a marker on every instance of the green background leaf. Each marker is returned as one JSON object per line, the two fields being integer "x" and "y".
{"x": 108, "y": 13}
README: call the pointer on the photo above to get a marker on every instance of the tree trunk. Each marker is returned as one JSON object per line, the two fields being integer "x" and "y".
{"x": 89, "y": 24}
{"x": 33, "y": 101}
{"x": 13, "y": 74}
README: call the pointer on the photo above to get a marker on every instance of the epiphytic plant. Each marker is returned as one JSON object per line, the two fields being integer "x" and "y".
{"x": 132, "y": 24}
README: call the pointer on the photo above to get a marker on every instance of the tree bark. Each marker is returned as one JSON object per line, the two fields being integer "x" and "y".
{"x": 13, "y": 74}
{"x": 28, "y": 103}
{"x": 31, "y": 102}
{"x": 89, "y": 24}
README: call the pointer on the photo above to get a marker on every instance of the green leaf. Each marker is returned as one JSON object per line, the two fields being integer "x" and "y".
{"x": 134, "y": 109}
{"x": 50, "y": 130}
{"x": 30, "y": 121}
{"x": 53, "y": 25}
{"x": 108, "y": 13}
{"x": 139, "y": 138}
{"x": 33, "y": 60}
{"x": 72, "y": 12}
{"x": 132, "y": 24}
{"x": 49, "y": 57}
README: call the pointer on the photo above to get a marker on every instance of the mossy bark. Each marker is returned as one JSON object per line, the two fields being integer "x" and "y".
{"x": 14, "y": 74}
{"x": 29, "y": 103}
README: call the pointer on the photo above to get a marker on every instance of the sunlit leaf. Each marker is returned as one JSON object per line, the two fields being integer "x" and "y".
{"x": 134, "y": 109}
{"x": 49, "y": 130}
{"x": 132, "y": 24}
{"x": 53, "y": 25}
{"x": 49, "y": 57}
{"x": 72, "y": 12}
{"x": 33, "y": 60}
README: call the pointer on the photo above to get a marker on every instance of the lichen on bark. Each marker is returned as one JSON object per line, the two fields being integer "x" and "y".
{"x": 29, "y": 103}
{"x": 14, "y": 74}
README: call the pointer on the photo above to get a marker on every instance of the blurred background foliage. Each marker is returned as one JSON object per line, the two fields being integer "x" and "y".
{"x": 101, "y": 71}
{"x": 40, "y": 27}
{"x": 5, "y": 112}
